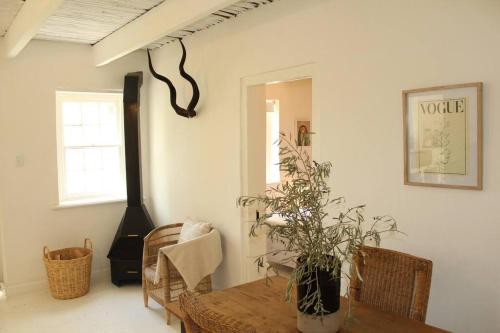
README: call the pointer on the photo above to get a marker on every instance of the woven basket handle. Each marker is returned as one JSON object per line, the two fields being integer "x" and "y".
{"x": 87, "y": 242}
{"x": 46, "y": 252}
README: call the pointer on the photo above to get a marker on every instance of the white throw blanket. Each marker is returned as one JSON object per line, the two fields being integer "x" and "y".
{"x": 194, "y": 259}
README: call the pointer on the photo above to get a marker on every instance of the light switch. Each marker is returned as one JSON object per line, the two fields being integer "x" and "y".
{"x": 19, "y": 161}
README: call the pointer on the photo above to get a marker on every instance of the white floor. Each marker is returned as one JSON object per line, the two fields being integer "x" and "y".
{"x": 105, "y": 309}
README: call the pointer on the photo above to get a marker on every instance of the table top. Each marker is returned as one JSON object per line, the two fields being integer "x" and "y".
{"x": 261, "y": 304}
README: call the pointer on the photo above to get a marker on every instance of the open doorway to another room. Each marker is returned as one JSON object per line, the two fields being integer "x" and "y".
{"x": 271, "y": 107}
{"x": 288, "y": 111}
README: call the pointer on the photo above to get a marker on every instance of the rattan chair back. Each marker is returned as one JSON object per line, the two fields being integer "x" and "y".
{"x": 392, "y": 281}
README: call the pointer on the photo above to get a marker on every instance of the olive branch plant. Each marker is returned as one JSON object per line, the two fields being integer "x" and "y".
{"x": 321, "y": 240}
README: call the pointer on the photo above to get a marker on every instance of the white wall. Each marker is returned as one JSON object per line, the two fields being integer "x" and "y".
{"x": 253, "y": 164}
{"x": 365, "y": 53}
{"x": 27, "y": 126}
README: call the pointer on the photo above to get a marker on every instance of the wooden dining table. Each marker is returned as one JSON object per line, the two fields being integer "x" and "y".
{"x": 261, "y": 304}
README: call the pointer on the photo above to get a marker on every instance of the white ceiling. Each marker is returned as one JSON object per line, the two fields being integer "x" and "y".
{"x": 8, "y": 11}
{"x": 89, "y": 21}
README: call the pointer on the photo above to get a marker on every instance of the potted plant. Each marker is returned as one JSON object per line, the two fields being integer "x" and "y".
{"x": 319, "y": 234}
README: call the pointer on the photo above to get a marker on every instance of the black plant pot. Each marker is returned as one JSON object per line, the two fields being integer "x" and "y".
{"x": 330, "y": 298}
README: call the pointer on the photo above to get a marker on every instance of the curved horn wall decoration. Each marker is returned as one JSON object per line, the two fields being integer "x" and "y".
{"x": 188, "y": 112}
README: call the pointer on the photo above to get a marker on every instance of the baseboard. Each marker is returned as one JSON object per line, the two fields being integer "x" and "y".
{"x": 102, "y": 274}
{"x": 24, "y": 288}
{"x": 42, "y": 285}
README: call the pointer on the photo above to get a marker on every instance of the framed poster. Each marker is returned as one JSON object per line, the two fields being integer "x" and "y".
{"x": 303, "y": 130}
{"x": 443, "y": 136}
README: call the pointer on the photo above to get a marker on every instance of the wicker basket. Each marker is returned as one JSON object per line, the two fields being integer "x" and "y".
{"x": 68, "y": 270}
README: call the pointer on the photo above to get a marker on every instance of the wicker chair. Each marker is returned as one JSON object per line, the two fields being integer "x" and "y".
{"x": 392, "y": 281}
{"x": 200, "y": 319}
{"x": 171, "y": 283}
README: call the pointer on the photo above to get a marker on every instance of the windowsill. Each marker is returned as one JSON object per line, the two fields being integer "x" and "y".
{"x": 89, "y": 202}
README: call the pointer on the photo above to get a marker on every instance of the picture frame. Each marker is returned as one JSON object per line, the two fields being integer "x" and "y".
{"x": 443, "y": 136}
{"x": 303, "y": 133}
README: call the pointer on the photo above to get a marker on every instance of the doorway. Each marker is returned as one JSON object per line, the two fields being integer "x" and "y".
{"x": 274, "y": 102}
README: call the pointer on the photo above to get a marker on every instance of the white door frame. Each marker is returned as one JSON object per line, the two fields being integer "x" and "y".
{"x": 2, "y": 250}
{"x": 306, "y": 71}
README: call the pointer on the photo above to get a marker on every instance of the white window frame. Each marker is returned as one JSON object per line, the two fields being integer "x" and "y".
{"x": 66, "y": 199}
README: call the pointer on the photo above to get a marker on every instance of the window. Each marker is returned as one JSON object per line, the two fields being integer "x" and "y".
{"x": 90, "y": 148}
{"x": 272, "y": 137}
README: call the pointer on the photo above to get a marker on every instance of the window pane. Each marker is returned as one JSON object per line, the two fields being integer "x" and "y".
{"x": 92, "y": 146}
{"x": 93, "y": 181}
{"x": 73, "y": 136}
{"x": 74, "y": 159}
{"x": 90, "y": 113}
{"x": 91, "y": 134}
{"x": 93, "y": 159}
{"x": 111, "y": 159}
{"x": 72, "y": 114}
{"x": 75, "y": 182}
{"x": 109, "y": 134}
{"x": 112, "y": 182}
{"x": 108, "y": 113}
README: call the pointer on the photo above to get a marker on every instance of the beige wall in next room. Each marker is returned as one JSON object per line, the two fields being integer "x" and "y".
{"x": 295, "y": 101}
{"x": 295, "y": 104}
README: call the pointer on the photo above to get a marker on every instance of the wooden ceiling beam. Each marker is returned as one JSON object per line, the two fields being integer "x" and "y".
{"x": 160, "y": 21}
{"x": 25, "y": 26}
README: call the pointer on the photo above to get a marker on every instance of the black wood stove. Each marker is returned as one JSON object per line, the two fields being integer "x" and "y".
{"x": 126, "y": 251}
